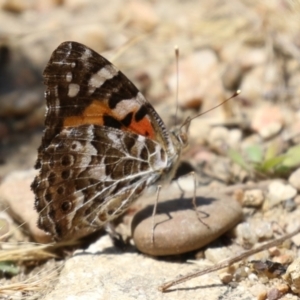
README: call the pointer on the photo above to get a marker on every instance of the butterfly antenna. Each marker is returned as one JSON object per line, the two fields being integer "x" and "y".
{"x": 188, "y": 120}
{"x": 177, "y": 81}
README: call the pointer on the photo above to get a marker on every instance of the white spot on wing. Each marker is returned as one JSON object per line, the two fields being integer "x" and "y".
{"x": 69, "y": 77}
{"x": 126, "y": 106}
{"x": 141, "y": 139}
{"x": 97, "y": 79}
{"x": 140, "y": 98}
{"x": 73, "y": 89}
{"x": 87, "y": 54}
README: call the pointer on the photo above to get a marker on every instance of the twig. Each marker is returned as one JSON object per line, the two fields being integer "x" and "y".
{"x": 227, "y": 262}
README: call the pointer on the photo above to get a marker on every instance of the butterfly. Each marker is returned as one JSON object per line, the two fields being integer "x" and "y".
{"x": 103, "y": 144}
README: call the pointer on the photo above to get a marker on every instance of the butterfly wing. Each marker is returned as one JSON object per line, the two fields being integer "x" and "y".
{"x": 103, "y": 144}
{"x": 85, "y": 88}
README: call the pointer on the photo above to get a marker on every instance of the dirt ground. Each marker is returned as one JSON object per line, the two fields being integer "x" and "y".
{"x": 250, "y": 141}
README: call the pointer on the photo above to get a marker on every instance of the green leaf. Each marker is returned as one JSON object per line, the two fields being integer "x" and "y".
{"x": 292, "y": 157}
{"x": 237, "y": 158}
{"x": 8, "y": 268}
{"x": 272, "y": 163}
{"x": 254, "y": 153}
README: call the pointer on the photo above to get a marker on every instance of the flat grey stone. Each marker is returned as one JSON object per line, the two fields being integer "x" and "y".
{"x": 178, "y": 227}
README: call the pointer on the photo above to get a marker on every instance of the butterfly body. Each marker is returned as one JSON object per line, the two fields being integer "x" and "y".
{"x": 103, "y": 145}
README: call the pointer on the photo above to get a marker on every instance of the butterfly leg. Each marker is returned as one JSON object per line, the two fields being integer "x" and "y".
{"x": 154, "y": 213}
{"x": 116, "y": 237}
{"x": 194, "y": 202}
{"x": 193, "y": 174}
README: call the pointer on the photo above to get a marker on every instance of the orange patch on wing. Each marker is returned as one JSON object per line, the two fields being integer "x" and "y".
{"x": 92, "y": 115}
{"x": 143, "y": 127}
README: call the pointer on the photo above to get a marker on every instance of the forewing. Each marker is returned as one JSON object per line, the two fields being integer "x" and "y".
{"x": 83, "y": 88}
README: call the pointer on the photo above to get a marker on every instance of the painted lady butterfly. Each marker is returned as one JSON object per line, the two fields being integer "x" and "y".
{"x": 103, "y": 144}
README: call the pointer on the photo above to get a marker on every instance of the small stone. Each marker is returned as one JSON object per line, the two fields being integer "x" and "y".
{"x": 200, "y": 64}
{"x": 289, "y": 205}
{"x": 297, "y": 200}
{"x": 178, "y": 228}
{"x": 225, "y": 277}
{"x": 232, "y": 76}
{"x": 241, "y": 272}
{"x": 274, "y": 251}
{"x": 267, "y": 121}
{"x": 217, "y": 254}
{"x": 285, "y": 258}
{"x": 283, "y": 288}
{"x": 15, "y": 192}
{"x": 246, "y": 235}
{"x": 292, "y": 276}
{"x": 16, "y": 6}
{"x": 278, "y": 192}
{"x": 139, "y": 15}
{"x": 253, "y": 198}
{"x": 263, "y": 230}
{"x": 296, "y": 239}
{"x": 259, "y": 291}
{"x": 91, "y": 35}
{"x": 217, "y": 138}
{"x": 274, "y": 294}
{"x": 239, "y": 195}
{"x": 294, "y": 179}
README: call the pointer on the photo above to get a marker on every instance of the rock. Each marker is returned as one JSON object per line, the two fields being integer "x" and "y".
{"x": 253, "y": 198}
{"x": 285, "y": 258}
{"x": 104, "y": 272}
{"x": 232, "y": 76}
{"x": 140, "y": 15}
{"x": 16, "y": 6}
{"x": 297, "y": 200}
{"x": 218, "y": 253}
{"x": 263, "y": 229}
{"x": 245, "y": 235}
{"x": 259, "y": 291}
{"x": 15, "y": 192}
{"x": 217, "y": 138}
{"x": 178, "y": 228}
{"x": 225, "y": 277}
{"x": 252, "y": 83}
{"x": 201, "y": 64}
{"x": 267, "y": 121}
{"x": 296, "y": 239}
{"x": 292, "y": 276}
{"x": 294, "y": 179}
{"x": 20, "y": 103}
{"x": 91, "y": 35}
{"x": 274, "y": 294}
{"x": 274, "y": 251}
{"x": 278, "y": 192}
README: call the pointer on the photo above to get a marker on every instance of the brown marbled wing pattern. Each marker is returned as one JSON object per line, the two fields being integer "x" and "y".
{"x": 90, "y": 175}
{"x": 103, "y": 144}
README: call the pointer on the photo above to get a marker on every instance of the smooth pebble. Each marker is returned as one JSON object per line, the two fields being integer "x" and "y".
{"x": 178, "y": 228}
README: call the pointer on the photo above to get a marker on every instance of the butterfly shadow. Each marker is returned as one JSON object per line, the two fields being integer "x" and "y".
{"x": 180, "y": 207}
